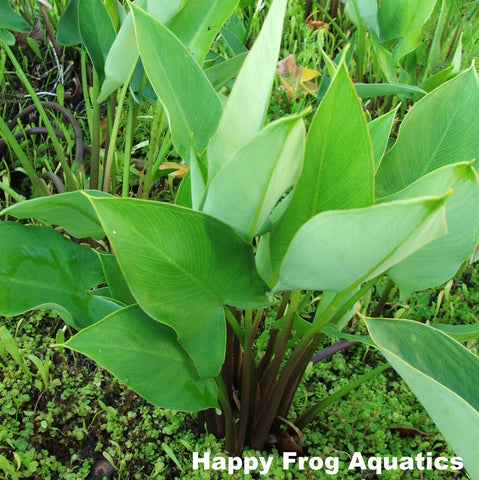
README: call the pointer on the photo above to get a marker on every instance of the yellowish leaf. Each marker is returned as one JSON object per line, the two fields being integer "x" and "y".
{"x": 180, "y": 169}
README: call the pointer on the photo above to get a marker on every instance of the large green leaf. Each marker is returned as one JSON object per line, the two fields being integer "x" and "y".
{"x": 41, "y": 268}
{"x": 442, "y": 374}
{"x": 398, "y": 18}
{"x": 338, "y": 165}
{"x": 191, "y": 102}
{"x": 438, "y": 261}
{"x": 441, "y": 129}
{"x": 145, "y": 355}
{"x": 339, "y": 250}
{"x": 403, "y": 19}
{"x": 97, "y": 32}
{"x": 246, "y": 189}
{"x": 198, "y": 23}
{"x": 71, "y": 210}
{"x": 11, "y": 20}
{"x": 246, "y": 107}
{"x": 182, "y": 266}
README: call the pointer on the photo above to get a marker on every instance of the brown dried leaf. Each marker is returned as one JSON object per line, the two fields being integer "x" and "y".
{"x": 180, "y": 169}
{"x": 293, "y": 76}
{"x": 317, "y": 24}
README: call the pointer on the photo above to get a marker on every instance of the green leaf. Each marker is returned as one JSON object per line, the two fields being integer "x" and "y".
{"x": 97, "y": 32}
{"x": 438, "y": 261}
{"x": 368, "y": 13}
{"x": 163, "y": 10}
{"x": 461, "y": 333}
{"x": 68, "y": 31}
{"x": 246, "y": 107}
{"x": 121, "y": 60}
{"x": 71, "y": 210}
{"x": 368, "y": 90}
{"x": 198, "y": 23}
{"x": 116, "y": 11}
{"x": 11, "y": 20}
{"x": 435, "y": 53}
{"x": 182, "y": 266}
{"x": 338, "y": 165}
{"x": 246, "y": 189}
{"x": 40, "y": 268}
{"x": 443, "y": 376}
{"x": 385, "y": 62}
{"x": 398, "y": 18}
{"x": 7, "y": 37}
{"x": 233, "y": 43}
{"x": 117, "y": 285}
{"x": 191, "y": 102}
{"x": 441, "y": 129}
{"x": 380, "y": 129}
{"x": 434, "y": 81}
{"x": 339, "y": 250}
{"x": 235, "y": 25}
{"x": 184, "y": 196}
{"x": 123, "y": 55}
{"x": 223, "y": 72}
{"x": 144, "y": 354}
{"x": 197, "y": 180}
{"x": 403, "y": 19}
{"x": 335, "y": 332}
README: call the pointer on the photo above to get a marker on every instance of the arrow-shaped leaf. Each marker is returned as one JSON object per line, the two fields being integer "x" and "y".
{"x": 145, "y": 355}
{"x": 182, "y": 266}
{"x": 41, "y": 268}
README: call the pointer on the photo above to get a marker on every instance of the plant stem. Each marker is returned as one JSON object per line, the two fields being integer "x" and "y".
{"x": 85, "y": 89}
{"x": 248, "y": 384}
{"x": 159, "y": 116}
{"x": 359, "y": 42}
{"x": 235, "y": 326}
{"x": 266, "y": 358}
{"x": 337, "y": 347}
{"x": 333, "y": 23}
{"x": 130, "y": 126}
{"x": 10, "y": 191}
{"x": 379, "y": 308}
{"x": 316, "y": 409}
{"x": 230, "y": 427}
{"x": 274, "y": 367}
{"x": 113, "y": 138}
{"x": 291, "y": 384}
{"x": 95, "y": 133}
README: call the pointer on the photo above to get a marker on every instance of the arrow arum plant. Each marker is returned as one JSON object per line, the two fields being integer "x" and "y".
{"x": 268, "y": 217}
